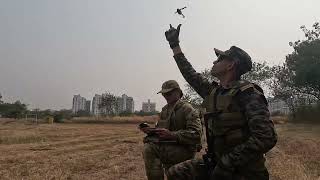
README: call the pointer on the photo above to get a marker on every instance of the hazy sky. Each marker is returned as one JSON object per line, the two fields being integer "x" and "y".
{"x": 51, "y": 50}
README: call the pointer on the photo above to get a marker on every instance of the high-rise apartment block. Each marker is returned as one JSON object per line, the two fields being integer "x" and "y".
{"x": 122, "y": 104}
{"x": 127, "y": 104}
{"x": 88, "y": 105}
{"x": 79, "y": 104}
{"x": 148, "y": 106}
{"x": 96, "y": 101}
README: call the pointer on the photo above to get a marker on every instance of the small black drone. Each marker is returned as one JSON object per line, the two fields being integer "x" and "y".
{"x": 179, "y": 11}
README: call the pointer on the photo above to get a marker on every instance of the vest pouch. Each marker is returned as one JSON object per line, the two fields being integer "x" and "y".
{"x": 227, "y": 131}
{"x": 227, "y": 122}
{"x": 209, "y": 126}
{"x": 209, "y": 119}
{"x": 234, "y": 137}
{"x": 225, "y": 143}
{"x": 223, "y": 102}
{"x": 231, "y": 119}
{"x": 218, "y": 130}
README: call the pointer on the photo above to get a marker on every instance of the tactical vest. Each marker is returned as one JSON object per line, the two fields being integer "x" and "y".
{"x": 167, "y": 121}
{"x": 226, "y": 125}
{"x": 167, "y": 118}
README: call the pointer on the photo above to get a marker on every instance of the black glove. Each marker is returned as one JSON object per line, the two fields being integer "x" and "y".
{"x": 221, "y": 173}
{"x": 172, "y": 35}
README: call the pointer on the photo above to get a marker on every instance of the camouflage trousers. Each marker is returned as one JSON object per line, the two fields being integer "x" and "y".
{"x": 195, "y": 169}
{"x": 158, "y": 158}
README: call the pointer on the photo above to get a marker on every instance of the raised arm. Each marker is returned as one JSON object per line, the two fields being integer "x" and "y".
{"x": 200, "y": 84}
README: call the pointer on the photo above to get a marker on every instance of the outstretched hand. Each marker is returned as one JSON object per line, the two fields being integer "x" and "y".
{"x": 146, "y": 130}
{"x": 172, "y": 36}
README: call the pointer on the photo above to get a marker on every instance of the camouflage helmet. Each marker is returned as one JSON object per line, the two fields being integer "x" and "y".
{"x": 168, "y": 86}
{"x": 244, "y": 63}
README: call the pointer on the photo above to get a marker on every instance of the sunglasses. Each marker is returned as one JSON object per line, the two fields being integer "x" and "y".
{"x": 168, "y": 93}
{"x": 221, "y": 57}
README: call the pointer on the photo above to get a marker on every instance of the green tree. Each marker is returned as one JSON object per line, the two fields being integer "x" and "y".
{"x": 297, "y": 81}
{"x": 83, "y": 113}
{"x": 261, "y": 74}
{"x": 109, "y": 104}
{"x": 58, "y": 116}
{"x": 14, "y": 110}
{"x": 66, "y": 113}
{"x": 0, "y": 99}
{"x": 299, "y": 77}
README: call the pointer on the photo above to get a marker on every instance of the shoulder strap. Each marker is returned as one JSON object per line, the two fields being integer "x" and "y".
{"x": 244, "y": 85}
{"x": 211, "y": 104}
{"x": 257, "y": 89}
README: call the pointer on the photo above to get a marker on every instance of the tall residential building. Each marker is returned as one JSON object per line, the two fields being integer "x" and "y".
{"x": 130, "y": 105}
{"x": 148, "y": 106}
{"x": 127, "y": 104}
{"x": 88, "y": 104}
{"x": 96, "y": 101}
{"x": 78, "y": 104}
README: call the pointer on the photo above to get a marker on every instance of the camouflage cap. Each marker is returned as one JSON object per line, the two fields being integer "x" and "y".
{"x": 239, "y": 55}
{"x": 169, "y": 86}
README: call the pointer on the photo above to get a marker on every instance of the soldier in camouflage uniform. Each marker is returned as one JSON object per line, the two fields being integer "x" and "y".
{"x": 176, "y": 136}
{"x": 238, "y": 127}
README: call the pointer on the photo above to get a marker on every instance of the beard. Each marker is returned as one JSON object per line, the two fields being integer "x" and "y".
{"x": 215, "y": 73}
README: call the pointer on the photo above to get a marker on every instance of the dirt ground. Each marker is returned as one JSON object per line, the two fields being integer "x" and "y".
{"x": 113, "y": 152}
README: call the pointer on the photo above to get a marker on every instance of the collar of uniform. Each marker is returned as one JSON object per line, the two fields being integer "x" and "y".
{"x": 233, "y": 84}
{"x": 167, "y": 106}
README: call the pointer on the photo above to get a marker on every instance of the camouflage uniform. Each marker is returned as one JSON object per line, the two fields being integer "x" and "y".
{"x": 183, "y": 120}
{"x": 238, "y": 128}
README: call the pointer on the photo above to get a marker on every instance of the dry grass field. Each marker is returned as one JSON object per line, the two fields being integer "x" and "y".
{"x": 297, "y": 153}
{"x": 113, "y": 152}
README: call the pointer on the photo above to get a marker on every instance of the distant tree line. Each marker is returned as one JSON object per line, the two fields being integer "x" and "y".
{"x": 18, "y": 110}
{"x": 58, "y": 116}
{"x": 13, "y": 110}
